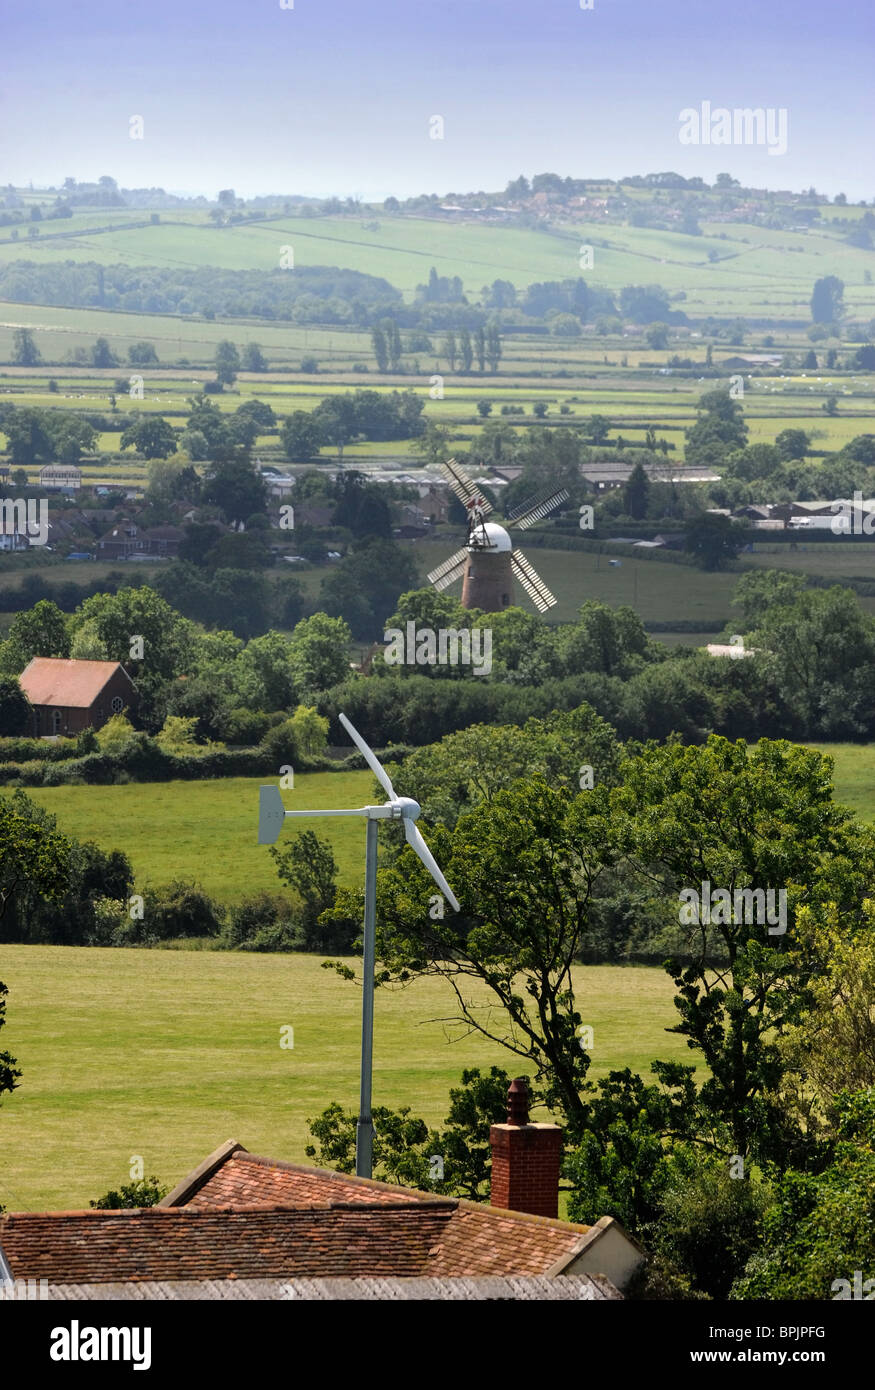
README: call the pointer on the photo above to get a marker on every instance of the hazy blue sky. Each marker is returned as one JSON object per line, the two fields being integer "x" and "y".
{"x": 335, "y": 96}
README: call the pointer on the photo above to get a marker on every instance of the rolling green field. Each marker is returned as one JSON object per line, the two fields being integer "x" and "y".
{"x": 757, "y": 272}
{"x": 166, "y": 1054}
{"x": 208, "y": 830}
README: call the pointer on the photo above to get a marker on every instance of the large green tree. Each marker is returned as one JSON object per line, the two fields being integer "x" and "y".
{"x": 524, "y": 866}
{"x": 713, "y": 540}
{"x": 827, "y": 299}
{"x": 319, "y": 653}
{"x": 37, "y": 631}
{"x": 25, "y": 352}
{"x": 733, "y": 819}
{"x": 236, "y": 487}
{"x": 151, "y": 435}
{"x": 33, "y": 856}
{"x": 15, "y": 709}
{"x": 227, "y": 362}
{"x": 302, "y": 436}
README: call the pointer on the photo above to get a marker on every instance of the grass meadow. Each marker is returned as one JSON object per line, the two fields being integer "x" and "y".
{"x": 208, "y": 830}
{"x": 165, "y": 1054}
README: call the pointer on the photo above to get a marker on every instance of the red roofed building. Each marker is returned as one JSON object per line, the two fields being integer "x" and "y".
{"x": 69, "y": 695}
{"x": 241, "y": 1217}
{"x": 476, "y": 1240}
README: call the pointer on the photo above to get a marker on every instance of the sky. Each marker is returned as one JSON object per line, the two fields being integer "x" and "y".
{"x": 338, "y": 97}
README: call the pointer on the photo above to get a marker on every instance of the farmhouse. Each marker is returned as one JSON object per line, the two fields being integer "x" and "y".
{"x": 240, "y": 1217}
{"x": 69, "y": 696}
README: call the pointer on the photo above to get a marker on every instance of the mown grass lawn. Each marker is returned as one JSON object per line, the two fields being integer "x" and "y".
{"x": 165, "y": 1054}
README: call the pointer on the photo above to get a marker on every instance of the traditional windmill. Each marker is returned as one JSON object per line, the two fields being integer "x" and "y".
{"x": 489, "y": 561}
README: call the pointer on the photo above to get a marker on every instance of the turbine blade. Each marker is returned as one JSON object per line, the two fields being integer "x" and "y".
{"x": 451, "y": 569}
{"x": 532, "y": 582}
{"x": 271, "y": 814}
{"x": 526, "y": 516}
{"x": 370, "y": 758}
{"x": 418, "y": 845}
{"x": 464, "y": 487}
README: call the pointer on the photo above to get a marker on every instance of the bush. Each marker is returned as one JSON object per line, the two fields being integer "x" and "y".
{"x": 710, "y": 1224}
{"x": 245, "y": 727}
{"x": 180, "y": 909}
{"x": 23, "y": 750}
{"x": 259, "y": 923}
{"x": 147, "y": 1192}
{"x": 280, "y": 745}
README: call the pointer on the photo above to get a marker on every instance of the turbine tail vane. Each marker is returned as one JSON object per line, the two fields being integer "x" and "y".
{"x": 271, "y": 815}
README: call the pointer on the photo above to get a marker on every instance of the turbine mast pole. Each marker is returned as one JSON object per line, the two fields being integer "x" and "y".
{"x": 364, "y": 1130}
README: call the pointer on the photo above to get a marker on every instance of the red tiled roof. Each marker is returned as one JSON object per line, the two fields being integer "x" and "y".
{"x": 185, "y": 1243}
{"x": 241, "y": 1216}
{"x": 478, "y": 1240}
{"x": 49, "y": 680}
{"x": 247, "y": 1180}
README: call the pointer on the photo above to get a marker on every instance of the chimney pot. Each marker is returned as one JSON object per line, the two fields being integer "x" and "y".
{"x": 518, "y": 1102}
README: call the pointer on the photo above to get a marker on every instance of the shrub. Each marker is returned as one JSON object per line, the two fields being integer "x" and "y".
{"x": 710, "y": 1224}
{"x": 115, "y": 733}
{"x": 255, "y": 917}
{"x": 180, "y": 909}
{"x": 246, "y": 727}
{"x": 280, "y": 745}
{"x": 147, "y": 1192}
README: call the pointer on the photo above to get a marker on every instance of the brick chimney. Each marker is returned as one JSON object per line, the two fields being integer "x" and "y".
{"x": 525, "y": 1159}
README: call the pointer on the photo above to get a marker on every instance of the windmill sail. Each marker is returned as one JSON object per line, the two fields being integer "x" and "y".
{"x": 526, "y": 516}
{"x": 532, "y": 582}
{"x": 465, "y": 488}
{"x": 451, "y": 570}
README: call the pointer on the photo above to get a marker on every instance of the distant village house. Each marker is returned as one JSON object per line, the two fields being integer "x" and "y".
{"x": 68, "y": 695}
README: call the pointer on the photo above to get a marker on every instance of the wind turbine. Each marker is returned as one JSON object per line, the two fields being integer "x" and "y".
{"x": 271, "y": 817}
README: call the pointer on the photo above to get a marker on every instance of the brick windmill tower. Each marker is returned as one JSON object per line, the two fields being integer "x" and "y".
{"x": 488, "y": 564}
